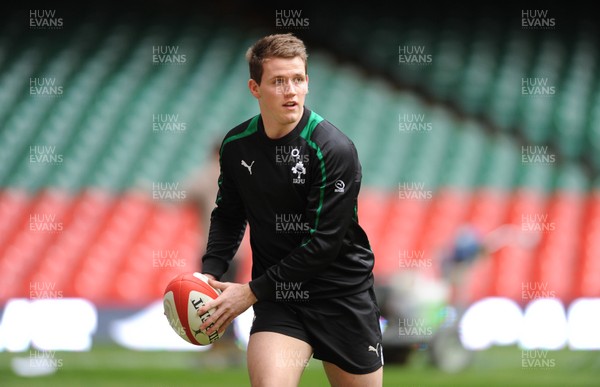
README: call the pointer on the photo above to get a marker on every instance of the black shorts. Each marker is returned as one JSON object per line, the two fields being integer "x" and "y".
{"x": 344, "y": 331}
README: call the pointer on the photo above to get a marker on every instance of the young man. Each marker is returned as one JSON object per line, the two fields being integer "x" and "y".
{"x": 295, "y": 179}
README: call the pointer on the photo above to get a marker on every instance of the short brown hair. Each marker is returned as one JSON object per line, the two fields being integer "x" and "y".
{"x": 274, "y": 46}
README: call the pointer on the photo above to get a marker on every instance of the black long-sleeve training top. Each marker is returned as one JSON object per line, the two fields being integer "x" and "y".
{"x": 299, "y": 196}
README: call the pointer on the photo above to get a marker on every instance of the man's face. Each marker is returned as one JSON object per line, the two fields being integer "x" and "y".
{"x": 282, "y": 90}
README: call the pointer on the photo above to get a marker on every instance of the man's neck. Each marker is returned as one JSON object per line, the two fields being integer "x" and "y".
{"x": 275, "y": 131}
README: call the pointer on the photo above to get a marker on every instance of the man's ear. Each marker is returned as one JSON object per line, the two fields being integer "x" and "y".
{"x": 254, "y": 88}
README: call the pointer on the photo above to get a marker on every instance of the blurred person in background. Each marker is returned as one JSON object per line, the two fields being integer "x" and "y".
{"x": 201, "y": 188}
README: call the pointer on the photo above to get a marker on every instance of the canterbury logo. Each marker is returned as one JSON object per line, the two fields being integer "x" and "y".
{"x": 248, "y": 166}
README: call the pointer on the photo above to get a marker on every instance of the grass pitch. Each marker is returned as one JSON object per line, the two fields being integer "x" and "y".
{"x": 114, "y": 366}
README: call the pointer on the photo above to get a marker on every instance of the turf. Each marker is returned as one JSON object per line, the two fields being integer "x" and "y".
{"x": 113, "y": 366}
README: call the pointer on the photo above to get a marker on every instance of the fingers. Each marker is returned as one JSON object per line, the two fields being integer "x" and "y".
{"x": 226, "y": 307}
{"x": 223, "y": 327}
{"x": 210, "y": 321}
{"x": 217, "y": 301}
{"x": 219, "y": 326}
{"x": 219, "y": 320}
{"x": 208, "y": 306}
{"x": 218, "y": 285}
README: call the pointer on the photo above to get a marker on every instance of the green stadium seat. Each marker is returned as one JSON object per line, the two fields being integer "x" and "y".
{"x": 466, "y": 156}
{"x": 571, "y": 178}
{"x": 500, "y": 167}
{"x": 538, "y": 177}
{"x": 449, "y": 59}
{"x": 476, "y": 80}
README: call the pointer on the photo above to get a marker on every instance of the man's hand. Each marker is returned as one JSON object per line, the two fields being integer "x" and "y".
{"x": 234, "y": 300}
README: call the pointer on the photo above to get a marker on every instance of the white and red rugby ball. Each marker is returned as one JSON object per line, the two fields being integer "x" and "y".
{"x": 184, "y": 295}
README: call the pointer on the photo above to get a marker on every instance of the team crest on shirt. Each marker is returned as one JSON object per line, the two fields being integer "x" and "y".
{"x": 299, "y": 169}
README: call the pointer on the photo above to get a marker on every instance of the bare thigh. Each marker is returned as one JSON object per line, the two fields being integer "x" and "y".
{"x": 277, "y": 360}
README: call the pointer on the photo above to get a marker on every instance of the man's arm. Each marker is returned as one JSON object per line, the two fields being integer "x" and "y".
{"x": 227, "y": 226}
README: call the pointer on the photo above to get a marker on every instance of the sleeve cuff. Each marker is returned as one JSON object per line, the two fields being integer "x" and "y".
{"x": 262, "y": 288}
{"x": 214, "y": 266}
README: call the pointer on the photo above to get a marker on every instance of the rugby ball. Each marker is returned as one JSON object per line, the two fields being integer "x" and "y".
{"x": 183, "y": 296}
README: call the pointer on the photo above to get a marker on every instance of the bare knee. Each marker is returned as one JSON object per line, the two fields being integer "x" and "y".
{"x": 340, "y": 378}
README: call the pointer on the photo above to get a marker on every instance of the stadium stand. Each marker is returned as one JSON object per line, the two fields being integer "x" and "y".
{"x": 92, "y": 215}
